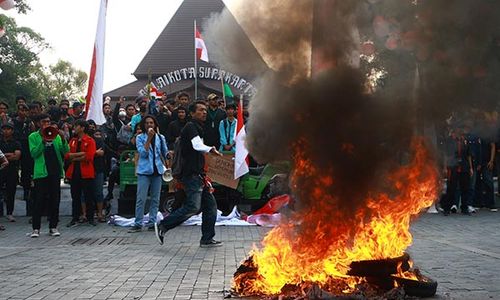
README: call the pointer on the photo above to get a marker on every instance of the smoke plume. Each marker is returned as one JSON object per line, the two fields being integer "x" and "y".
{"x": 440, "y": 57}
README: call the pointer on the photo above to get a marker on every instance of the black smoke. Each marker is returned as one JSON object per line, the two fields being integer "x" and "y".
{"x": 441, "y": 59}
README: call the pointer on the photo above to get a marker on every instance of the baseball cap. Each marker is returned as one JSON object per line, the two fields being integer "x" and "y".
{"x": 212, "y": 97}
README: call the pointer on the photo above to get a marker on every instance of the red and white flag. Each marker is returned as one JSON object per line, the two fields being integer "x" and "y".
{"x": 201, "y": 48}
{"x": 155, "y": 93}
{"x": 94, "y": 99}
{"x": 7, "y": 4}
{"x": 241, "y": 155}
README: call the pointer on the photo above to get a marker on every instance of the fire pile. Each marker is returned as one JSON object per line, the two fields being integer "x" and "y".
{"x": 357, "y": 254}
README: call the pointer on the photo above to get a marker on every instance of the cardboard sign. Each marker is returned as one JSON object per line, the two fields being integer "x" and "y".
{"x": 221, "y": 169}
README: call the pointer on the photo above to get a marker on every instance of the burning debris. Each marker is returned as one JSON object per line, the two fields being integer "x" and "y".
{"x": 363, "y": 167}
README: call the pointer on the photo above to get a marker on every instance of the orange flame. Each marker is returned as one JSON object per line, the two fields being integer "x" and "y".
{"x": 307, "y": 249}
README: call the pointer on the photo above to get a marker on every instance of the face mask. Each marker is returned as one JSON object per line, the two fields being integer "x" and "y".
{"x": 122, "y": 114}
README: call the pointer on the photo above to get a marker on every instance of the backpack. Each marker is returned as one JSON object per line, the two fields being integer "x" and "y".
{"x": 124, "y": 134}
{"x": 177, "y": 160}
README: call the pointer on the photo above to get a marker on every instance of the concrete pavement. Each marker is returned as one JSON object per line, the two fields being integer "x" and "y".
{"x": 462, "y": 253}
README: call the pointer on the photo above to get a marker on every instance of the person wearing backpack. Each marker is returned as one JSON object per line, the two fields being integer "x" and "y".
{"x": 152, "y": 153}
{"x": 192, "y": 176}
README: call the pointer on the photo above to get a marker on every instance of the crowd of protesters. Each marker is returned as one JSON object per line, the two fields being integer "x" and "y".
{"x": 43, "y": 145}
{"x": 86, "y": 155}
{"x": 471, "y": 150}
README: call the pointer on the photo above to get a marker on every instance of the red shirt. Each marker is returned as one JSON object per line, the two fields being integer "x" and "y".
{"x": 86, "y": 165}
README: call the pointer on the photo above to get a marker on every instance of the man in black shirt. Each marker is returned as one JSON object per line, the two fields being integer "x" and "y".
{"x": 23, "y": 127}
{"x": 175, "y": 127}
{"x": 182, "y": 101}
{"x": 164, "y": 117}
{"x": 99, "y": 173}
{"x": 9, "y": 176}
{"x": 211, "y": 126}
{"x": 196, "y": 184}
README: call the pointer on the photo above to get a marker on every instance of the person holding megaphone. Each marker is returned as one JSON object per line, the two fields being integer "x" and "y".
{"x": 47, "y": 148}
{"x": 153, "y": 155}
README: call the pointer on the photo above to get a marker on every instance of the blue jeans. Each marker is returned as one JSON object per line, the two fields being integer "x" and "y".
{"x": 99, "y": 182}
{"x": 197, "y": 198}
{"x": 145, "y": 183}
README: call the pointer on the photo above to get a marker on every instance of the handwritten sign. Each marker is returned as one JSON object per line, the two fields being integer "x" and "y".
{"x": 221, "y": 169}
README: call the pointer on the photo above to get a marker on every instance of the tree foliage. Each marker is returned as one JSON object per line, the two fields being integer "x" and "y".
{"x": 22, "y": 71}
{"x": 64, "y": 81}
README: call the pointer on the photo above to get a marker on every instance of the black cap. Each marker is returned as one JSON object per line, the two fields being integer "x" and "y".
{"x": 77, "y": 104}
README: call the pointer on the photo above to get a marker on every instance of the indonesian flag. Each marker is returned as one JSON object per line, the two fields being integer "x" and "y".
{"x": 94, "y": 98}
{"x": 7, "y": 4}
{"x": 241, "y": 155}
{"x": 154, "y": 93}
{"x": 201, "y": 48}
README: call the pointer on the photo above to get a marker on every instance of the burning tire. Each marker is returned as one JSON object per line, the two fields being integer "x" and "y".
{"x": 418, "y": 288}
{"x": 379, "y": 267}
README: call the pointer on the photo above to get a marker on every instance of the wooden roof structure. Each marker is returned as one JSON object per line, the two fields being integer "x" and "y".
{"x": 173, "y": 50}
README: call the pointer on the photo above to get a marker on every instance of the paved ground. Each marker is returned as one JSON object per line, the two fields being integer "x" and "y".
{"x": 104, "y": 262}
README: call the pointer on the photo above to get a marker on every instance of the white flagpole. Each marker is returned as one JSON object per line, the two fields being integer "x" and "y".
{"x": 195, "y": 65}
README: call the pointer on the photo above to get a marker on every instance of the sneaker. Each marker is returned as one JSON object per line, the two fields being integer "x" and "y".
{"x": 159, "y": 233}
{"x": 72, "y": 223}
{"x": 493, "y": 209}
{"x": 35, "y": 233}
{"x": 211, "y": 244}
{"x": 11, "y": 218}
{"x": 135, "y": 229}
{"x": 454, "y": 209}
{"x": 471, "y": 209}
{"x": 54, "y": 232}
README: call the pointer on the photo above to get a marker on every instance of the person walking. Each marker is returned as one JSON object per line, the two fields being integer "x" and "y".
{"x": 47, "y": 154}
{"x": 153, "y": 153}
{"x": 195, "y": 182}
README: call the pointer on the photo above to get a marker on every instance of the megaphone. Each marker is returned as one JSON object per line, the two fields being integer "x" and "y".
{"x": 50, "y": 133}
{"x": 167, "y": 175}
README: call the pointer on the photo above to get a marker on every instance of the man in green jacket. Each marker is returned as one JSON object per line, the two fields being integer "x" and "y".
{"x": 48, "y": 154}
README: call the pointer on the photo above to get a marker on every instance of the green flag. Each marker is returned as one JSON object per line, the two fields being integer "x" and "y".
{"x": 228, "y": 93}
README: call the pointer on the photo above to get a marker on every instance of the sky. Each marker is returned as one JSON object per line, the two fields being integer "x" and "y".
{"x": 69, "y": 26}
